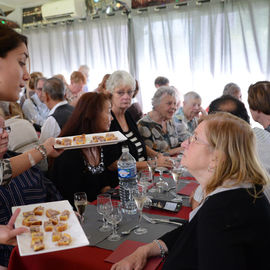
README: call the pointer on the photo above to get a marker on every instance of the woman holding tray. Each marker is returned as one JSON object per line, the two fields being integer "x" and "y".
{"x": 230, "y": 228}
{"x": 13, "y": 77}
{"x": 83, "y": 169}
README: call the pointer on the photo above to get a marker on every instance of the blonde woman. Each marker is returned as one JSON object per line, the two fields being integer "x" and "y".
{"x": 230, "y": 229}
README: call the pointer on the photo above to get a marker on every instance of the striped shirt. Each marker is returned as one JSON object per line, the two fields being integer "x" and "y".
{"x": 132, "y": 138}
{"x": 27, "y": 188}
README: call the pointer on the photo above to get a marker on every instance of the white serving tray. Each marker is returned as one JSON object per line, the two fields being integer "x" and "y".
{"x": 75, "y": 230}
{"x": 118, "y": 134}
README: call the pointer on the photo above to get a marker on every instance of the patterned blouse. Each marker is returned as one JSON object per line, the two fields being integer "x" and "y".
{"x": 156, "y": 139}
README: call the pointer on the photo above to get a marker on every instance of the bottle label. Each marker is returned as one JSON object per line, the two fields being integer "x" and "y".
{"x": 127, "y": 173}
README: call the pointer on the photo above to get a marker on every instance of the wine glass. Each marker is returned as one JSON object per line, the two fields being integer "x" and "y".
{"x": 152, "y": 164}
{"x": 177, "y": 172}
{"x": 80, "y": 202}
{"x": 115, "y": 217}
{"x": 162, "y": 185}
{"x": 145, "y": 178}
{"x": 104, "y": 207}
{"x": 140, "y": 198}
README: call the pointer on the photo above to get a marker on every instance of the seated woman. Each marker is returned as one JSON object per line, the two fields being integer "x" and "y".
{"x": 157, "y": 128}
{"x": 83, "y": 169}
{"x": 75, "y": 90}
{"x": 230, "y": 229}
{"x": 27, "y": 188}
{"x": 122, "y": 85}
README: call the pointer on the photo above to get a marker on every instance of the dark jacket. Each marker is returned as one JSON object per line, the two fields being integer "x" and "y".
{"x": 62, "y": 113}
{"x": 70, "y": 175}
{"x": 230, "y": 231}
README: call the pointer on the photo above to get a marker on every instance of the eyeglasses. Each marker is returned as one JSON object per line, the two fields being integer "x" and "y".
{"x": 195, "y": 139}
{"x": 6, "y": 129}
{"x": 122, "y": 93}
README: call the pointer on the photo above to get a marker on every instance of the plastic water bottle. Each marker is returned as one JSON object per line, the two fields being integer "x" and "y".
{"x": 127, "y": 174}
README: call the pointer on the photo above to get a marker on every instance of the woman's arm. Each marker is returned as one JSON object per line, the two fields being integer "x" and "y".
{"x": 22, "y": 162}
{"x": 175, "y": 151}
{"x": 162, "y": 161}
{"x": 138, "y": 258}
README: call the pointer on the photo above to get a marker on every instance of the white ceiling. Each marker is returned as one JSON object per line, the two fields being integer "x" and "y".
{"x": 7, "y": 5}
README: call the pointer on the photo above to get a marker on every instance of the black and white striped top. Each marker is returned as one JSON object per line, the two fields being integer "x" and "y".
{"x": 132, "y": 138}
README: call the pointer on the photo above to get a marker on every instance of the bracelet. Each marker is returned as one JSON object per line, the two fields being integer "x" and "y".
{"x": 41, "y": 148}
{"x": 162, "y": 250}
{"x": 31, "y": 160}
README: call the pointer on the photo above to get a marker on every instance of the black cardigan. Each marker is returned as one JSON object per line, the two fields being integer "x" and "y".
{"x": 113, "y": 152}
{"x": 70, "y": 175}
{"x": 230, "y": 231}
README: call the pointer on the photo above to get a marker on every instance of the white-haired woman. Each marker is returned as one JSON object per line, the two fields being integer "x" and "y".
{"x": 157, "y": 128}
{"x": 122, "y": 85}
{"x": 230, "y": 228}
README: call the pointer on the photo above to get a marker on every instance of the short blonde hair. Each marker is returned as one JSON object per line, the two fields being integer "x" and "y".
{"x": 77, "y": 77}
{"x": 234, "y": 142}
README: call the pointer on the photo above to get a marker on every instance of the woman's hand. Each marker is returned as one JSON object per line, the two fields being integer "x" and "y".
{"x": 164, "y": 161}
{"x": 176, "y": 151}
{"x": 51, "y": 151}
{"x": 8, "y": 234}
{"x": 135, "y": 261}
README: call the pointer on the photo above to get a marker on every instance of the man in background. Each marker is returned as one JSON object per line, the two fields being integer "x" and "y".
{"x": 232, "y": 89}
{"x": 54, "y": 97}
{"x": 189, "y": 113}
{"x": 161, "y": 81}
{"x": 33, "y": 108}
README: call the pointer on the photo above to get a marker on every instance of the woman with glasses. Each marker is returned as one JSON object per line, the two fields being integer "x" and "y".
{"x": 13, "y": 76}
{"x": 122, "y": 85}
{"x": 230, "y": 228}
{"x": 158, "y": 130}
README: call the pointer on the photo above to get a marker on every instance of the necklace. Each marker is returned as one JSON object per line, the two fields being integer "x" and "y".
{"x": 95, "y": 169}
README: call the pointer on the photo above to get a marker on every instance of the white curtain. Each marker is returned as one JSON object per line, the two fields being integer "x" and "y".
{"x": 201, "y": 48}
{"x": 62, "y": 48}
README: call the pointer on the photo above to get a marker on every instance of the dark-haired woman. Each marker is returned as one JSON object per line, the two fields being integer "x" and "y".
{"x": 83, "y": 169}
{"x": 13, "y": 77}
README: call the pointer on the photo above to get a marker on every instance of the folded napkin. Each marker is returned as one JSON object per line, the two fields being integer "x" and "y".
{"x": 187, "y": 190}
{"x": 126, "y": 248}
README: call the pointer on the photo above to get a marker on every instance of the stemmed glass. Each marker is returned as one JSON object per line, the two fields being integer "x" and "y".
{"x": 161, "y": 184}
{"x": 152, "y": 164}
{"x": 140, "y": 198}
{"x": 80, "y": 202}
{"x": 115, "y": 217}
{"x": 177, "y": 172}
{"x": 104, "y": 207}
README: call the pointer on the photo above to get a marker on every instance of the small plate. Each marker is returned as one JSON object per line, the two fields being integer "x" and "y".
{"x": 75, "y": 230}
{"x": 118, "y": 134}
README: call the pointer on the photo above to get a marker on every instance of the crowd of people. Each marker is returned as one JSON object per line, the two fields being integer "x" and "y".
{"x": 231, "y": 210}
